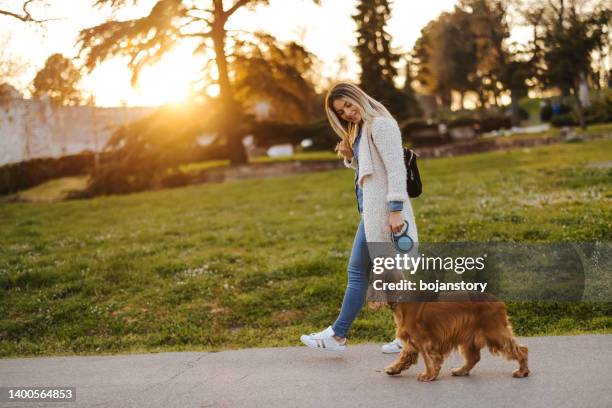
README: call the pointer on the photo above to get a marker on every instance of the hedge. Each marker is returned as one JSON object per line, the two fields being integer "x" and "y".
{"x": 20, "y": 176}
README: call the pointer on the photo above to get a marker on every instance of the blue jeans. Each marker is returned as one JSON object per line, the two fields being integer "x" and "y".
{"x": 357, "y": 287}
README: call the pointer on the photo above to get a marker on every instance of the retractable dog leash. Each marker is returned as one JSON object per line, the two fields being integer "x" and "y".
{"x": 402, "y": 242}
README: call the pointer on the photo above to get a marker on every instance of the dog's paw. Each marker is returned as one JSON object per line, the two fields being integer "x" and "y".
{"x": 426, "y": 377}
{"x": 518, "y": 373}
{"x": 459, "y": 371}
{"x": 393, "y": 369}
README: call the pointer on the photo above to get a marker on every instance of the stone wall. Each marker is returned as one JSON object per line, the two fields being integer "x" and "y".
{"x": 31, "y": 129}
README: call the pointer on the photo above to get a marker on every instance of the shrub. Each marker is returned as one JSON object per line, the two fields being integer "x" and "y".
{"x": 141, "y": 154}
{"x": 490, "y": 123}
{"x": 20, "y": 176}
{"x": 599, "y": 112}
{"x": 421, "y": 133}
{"x": 546, "y": 113}
{"x": 464, "y": 121}
{"x": 268, "y": 133}
{"x": 523, "y": 114}
{"x": 411, "y": 125}
{"x": 566, "y": 119}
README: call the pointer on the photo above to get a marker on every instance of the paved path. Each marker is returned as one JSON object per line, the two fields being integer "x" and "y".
{"x": 568, "y": 371}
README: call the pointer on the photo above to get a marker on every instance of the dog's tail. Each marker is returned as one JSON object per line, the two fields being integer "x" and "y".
{"x": 504, "y": 345}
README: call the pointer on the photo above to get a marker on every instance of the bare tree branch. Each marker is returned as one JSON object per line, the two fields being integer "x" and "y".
{"x": 26, "y": 17}
{"x": 200, "y": 9}
{"x": 193, "y": 19}
{"x": 201, "y": 35}
{"x": 235, "y": 7}
{"x": 553, "y": 7}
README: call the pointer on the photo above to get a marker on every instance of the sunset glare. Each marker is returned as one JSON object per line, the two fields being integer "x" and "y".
{"x": 327, "y": 30}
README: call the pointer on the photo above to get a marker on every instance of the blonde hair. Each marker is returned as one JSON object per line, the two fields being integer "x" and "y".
{"x": 368, "y": 107}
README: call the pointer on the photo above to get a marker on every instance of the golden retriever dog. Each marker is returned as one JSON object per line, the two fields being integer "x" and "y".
{"x": 435, "y": 329}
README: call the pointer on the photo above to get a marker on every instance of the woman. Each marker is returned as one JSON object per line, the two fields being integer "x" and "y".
{"x": 372, "y": 145}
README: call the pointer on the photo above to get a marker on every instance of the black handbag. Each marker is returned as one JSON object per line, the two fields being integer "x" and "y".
{"x": 413, "y": 178}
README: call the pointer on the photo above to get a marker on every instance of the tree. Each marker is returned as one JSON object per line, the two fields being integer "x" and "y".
{"x": 466, "y": 51}
{"x": 377, "y": 59}
{"x": 445, "y": 57}
{"x": 145, "y": 40}
{"x": 486, "y": 22}
{"x": 502, "y": 66}
{"x": 426, "y": 73}
{"x": 407, "y": 89}
{"x": 58, "y": 80}
{"x": 456, "y": 56}
{"x": 140, "y": 155}
{"x": 514, "y": 75}
{"x": 265, "y": 69}
{"x": 567, "y": 33}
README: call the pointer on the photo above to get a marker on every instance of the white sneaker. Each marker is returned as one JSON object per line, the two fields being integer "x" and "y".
{"x": 323, "y": 341}
{"x": 393, "y": 347}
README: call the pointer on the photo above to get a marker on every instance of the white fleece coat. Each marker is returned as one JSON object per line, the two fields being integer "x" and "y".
{"x": 382, "y": 176}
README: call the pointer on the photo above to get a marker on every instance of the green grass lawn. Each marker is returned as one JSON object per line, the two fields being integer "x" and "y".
{"x": 53, "y": 190}
{"x": 258, "y": 262}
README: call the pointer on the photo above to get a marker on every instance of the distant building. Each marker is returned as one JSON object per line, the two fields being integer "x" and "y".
{"x": 34, "y": 128}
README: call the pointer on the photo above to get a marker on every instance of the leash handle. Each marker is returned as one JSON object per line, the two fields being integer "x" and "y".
{"x": 402, "y": 242}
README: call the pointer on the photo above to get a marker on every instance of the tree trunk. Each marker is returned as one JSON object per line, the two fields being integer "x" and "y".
{"x": 481, "y": 97}
{"x": 235, "y": 149}
{"x": 444, "y": 99}
{"x": 516, "y": 116}
{"x": 495, "y": 91}
{"x": 583, "y": 91}
{"x": 565, "y": 90}
{"x": 575, "y": 88}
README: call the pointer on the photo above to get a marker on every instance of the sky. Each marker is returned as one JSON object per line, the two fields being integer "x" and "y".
{"x": 327, "y": 30}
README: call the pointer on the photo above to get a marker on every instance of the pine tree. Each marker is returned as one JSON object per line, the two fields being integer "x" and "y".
{"x": 378, "y": 60}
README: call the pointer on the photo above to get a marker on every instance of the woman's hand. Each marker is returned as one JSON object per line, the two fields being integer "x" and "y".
{"x": 396, "y": 222}
{"x": 344, "y": 149}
